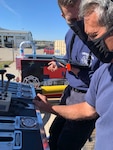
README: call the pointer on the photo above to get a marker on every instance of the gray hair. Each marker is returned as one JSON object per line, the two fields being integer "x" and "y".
{"x": 103, "y": 8}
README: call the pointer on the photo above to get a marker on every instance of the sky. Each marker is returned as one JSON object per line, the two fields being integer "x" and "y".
{"x": 41, "y": 17}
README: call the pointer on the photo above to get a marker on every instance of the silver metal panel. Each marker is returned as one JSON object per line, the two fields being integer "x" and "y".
{"x": 11, "y": 140}
{"x": 19, "y": 122}
{"x": 19, "y": 90}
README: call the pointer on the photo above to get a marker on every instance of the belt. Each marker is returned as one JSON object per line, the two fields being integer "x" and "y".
{"x": 79, "y": 91}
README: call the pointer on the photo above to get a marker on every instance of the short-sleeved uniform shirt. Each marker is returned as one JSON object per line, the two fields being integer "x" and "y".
{"x": 100, "y": 96}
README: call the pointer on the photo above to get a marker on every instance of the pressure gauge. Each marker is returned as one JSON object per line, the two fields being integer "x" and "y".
{"x": 29, "y": 122}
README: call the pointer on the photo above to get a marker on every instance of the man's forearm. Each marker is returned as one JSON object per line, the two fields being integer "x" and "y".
{"x": 74, "y": 112}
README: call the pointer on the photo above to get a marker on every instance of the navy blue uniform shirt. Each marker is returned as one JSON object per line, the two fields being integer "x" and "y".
{"x": 79, "y": 52}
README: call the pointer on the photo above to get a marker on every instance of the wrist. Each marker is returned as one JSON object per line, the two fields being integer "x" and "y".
{"x": 58, "y": 64}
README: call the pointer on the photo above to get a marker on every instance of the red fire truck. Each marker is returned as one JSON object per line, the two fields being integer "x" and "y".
{"x": 34, "y": 71}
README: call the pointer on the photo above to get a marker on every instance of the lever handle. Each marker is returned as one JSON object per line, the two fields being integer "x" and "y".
{"x": 2, "y": 71}
{"x": 9, "y": 77}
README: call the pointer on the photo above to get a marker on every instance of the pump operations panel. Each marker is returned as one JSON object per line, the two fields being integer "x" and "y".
{"x": 20, "y": 124}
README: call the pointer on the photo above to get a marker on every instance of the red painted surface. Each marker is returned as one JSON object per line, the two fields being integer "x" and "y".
{"x": 60, "y": 73}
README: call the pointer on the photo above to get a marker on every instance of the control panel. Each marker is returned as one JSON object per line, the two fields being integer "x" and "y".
{"x": 21, "y": 126}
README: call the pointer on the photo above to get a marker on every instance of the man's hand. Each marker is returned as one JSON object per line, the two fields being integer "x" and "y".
{"x": 52, "y": 66}
{"x": 42, "y": 103}
{"x": 74, "y": 112}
